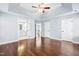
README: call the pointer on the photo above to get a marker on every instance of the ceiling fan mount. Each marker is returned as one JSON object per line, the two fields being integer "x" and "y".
{"x": 42, "y": 7}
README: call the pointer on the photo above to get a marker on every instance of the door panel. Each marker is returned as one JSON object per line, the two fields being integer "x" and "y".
{"x": 66, "y": 29}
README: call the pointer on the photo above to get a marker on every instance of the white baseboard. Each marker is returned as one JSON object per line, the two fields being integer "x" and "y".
{"x": 30, "y": 38}
{"x": 15, "y": 40}
{"x": 68, "y": 41}
{"x": 8, "y": 42}
{"x": 74, "y": 42}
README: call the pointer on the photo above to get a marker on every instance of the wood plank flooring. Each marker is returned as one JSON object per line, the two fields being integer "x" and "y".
{"x": 49, "y": 47}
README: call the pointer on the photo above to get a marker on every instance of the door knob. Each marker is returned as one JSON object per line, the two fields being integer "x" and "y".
{"x": 62, "y": 31}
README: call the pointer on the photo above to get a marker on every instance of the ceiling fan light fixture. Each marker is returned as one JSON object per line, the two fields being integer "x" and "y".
{"x": 42, "y": 7}
{"x": 42, "y": 10}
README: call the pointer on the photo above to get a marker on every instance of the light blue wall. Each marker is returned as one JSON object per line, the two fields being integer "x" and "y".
{"x": 76, "y": 28}
{"x": 55, "y": 25}
{"x": 8, "y": 28}
{"x": 75, "y": 20}
{"x": 4, "y": 7}
{"x": 52, "y": 28}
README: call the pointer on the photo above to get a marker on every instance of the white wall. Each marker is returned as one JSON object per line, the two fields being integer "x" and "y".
{"x": 28, "y": 30}
{"x": 47, "y": 29}
{"x": 75, "y": 20}
{"x": 4, "y": 7}
{"x": 8, "y": 28}
{"x": 42, "y": 29}
{"x": 55, "y": 31}
{"x": 31, "y": 31}
{"x": 52, "y": 28}
{"x": 76, "y": 28}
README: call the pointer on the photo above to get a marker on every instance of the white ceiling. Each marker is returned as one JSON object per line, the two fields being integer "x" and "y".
{"x": 28, "y": 6}
{"x": 26, "y": 10}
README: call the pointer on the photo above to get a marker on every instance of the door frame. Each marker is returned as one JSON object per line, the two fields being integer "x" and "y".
{"x": 71, "y": 20}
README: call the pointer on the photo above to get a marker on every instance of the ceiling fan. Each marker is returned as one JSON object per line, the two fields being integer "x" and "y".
{"x": 43, "y": 7}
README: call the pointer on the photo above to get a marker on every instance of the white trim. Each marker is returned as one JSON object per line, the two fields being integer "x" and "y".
{"x": 8, "y": 42}
{"x": 64, "y": 40}
{"x": 69, "y": 13}
{"x": 12, "y": 41}
{"x": 68, "y": 41}
{"x": 73, "y": 41}
{"x": 30, "y": 38}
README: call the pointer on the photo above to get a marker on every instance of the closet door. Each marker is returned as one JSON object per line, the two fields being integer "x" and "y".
{"x": 67, "y": 29}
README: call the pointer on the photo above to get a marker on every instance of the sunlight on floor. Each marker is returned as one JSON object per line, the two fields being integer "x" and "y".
{"x": 20, "y": 49}
{"x": 38, "y": 42}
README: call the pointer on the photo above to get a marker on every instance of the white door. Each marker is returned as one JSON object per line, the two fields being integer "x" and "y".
{"x": 22, "y": 29}
{"x": 67, "y": 29}
{"x": 38, "y": 34}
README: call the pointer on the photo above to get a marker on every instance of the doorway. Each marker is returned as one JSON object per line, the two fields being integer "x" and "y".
{"x": 67, "y": 29}
{"x": 38, "y": 34}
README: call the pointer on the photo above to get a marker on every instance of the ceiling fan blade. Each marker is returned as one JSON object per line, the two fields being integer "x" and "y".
{"x": 34, "y": 6}
{"x": 46, "y": 7}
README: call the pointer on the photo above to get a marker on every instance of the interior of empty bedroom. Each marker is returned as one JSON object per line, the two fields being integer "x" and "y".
{"x": 39, "y": 29}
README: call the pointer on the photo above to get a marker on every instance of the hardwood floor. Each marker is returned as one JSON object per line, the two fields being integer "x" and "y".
{"x": 49, "y": 47}
{"x": 8, "y": 49}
